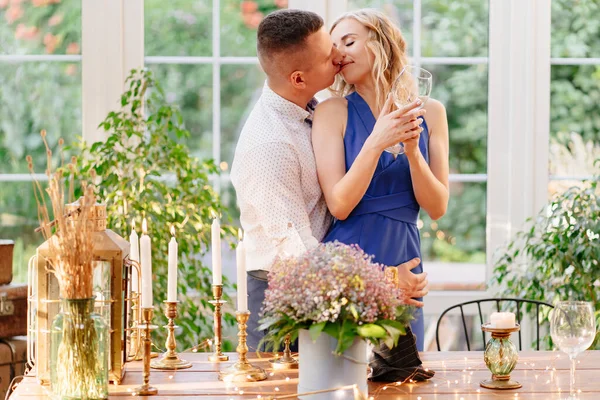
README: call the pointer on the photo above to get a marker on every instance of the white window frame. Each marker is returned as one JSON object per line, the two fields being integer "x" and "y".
{"x": 518, "y": 109}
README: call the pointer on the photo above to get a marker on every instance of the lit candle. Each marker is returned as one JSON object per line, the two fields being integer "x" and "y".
{"x": 216, "y": 251}
{"x": 242, "y": 292}
{"x": 502, "y": 320}
{"x": 146, "y": 261}
{"x": 134, "y": 255}
{"x": 172, "y": 275}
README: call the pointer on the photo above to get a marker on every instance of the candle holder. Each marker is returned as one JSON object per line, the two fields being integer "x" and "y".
{"x": 286, "y": 361}
{"x": 170, "y": 359}
{"x": 135, "y": 342}
{"x": 146, "y": 389}
{"x": 217, "y": 302}
{"x": 242, "y": 370}
{"x": 500, "y": 357}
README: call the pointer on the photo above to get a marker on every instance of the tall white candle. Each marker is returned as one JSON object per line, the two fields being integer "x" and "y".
{"x": 216, "y": 251}
{"x": 134, "y": 255}
{"x": 172, "y": 275}
{"x": 242, "y": 291}
{"x": 146, "y": 261}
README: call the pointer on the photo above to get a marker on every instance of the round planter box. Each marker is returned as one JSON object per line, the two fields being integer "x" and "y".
{"x": 320, "y": 369}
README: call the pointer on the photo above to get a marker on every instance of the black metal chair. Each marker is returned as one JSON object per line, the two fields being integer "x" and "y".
{"x": 518, "y": 302}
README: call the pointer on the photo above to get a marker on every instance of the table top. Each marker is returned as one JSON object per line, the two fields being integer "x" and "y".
{"x": 544, "y": 375}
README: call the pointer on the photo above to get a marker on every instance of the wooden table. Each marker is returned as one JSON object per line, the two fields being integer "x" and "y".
{"x": 543, "y": 375}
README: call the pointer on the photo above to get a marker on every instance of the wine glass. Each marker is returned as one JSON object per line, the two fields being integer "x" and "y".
{"x": 573, "y": 328}
{"x": 412, "y": 82}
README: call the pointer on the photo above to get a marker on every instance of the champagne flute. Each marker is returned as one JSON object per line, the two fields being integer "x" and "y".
{"x": 573, "y": 329}
{"x": 412, "y": 82}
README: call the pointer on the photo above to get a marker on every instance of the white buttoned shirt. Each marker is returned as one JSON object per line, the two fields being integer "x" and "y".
{"x": 282, "y": 207}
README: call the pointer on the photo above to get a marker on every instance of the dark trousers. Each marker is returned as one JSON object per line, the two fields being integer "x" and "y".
{"x": 256, "y": 297}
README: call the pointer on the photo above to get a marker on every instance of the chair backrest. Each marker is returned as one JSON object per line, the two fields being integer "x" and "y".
{"x": 498, "y": 301}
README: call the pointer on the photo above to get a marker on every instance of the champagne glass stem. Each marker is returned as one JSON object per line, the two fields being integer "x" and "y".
{"x": 572, "y": 385}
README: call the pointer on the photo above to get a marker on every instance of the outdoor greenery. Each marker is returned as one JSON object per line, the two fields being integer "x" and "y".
{"x": 556, "y": 256}
{"x": 36, "y": 95}
{"x": 146, "y": 172}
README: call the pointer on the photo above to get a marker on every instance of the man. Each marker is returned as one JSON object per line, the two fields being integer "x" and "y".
{"x": 273, "y": 172}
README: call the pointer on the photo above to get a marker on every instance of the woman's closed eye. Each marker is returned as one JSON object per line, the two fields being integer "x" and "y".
{"x": 349, "y": 44}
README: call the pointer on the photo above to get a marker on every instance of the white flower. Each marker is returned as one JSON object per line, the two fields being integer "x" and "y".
{"x": 570, "y": 270}
{"x": 597, "y": 283}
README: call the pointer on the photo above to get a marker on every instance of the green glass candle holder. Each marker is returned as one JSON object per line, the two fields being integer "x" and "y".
{"x": 500, "y": 357}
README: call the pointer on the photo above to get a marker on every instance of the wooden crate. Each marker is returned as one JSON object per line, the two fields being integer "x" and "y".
{"x": 13, "y": 359}
{"x": 13, "y": 310}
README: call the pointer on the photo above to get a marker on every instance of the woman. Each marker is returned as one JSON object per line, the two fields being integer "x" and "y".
{"x": 375, "y": 196}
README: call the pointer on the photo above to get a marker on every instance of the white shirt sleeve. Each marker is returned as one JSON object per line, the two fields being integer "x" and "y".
{"x": 269, "y": 188}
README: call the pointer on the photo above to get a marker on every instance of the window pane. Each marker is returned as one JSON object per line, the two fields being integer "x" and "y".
{"x": 178, "y": 28}
{"x": 400, "y": 11}
{"x": 18, "y": 219}
{"x": 40, "y": 27}
{"x": 239, "y": 21}
{"x": 575, "y": 28}
{"x": 459, "y": 236}
{"x": 574, "y": 119}
{"x": 463, "y": 90}
{"x": 36, "y": 96}
{"x": 190, "y": 88}
{"x": 241, "y": 85}
{"x": 454, "y": 28}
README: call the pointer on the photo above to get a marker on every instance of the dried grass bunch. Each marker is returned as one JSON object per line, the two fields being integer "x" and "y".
{"x": 69, "y": 233}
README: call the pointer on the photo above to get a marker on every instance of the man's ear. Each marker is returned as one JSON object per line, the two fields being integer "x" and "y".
{"x": 297, "y": 80}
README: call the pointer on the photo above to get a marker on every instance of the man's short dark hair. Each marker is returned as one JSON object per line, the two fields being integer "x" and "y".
{"x": 284, "y": 32}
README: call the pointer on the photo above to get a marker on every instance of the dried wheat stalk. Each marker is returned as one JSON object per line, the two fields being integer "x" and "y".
{"x": 70, "y": 236}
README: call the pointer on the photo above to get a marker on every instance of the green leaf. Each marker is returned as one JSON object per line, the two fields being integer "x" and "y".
{"x": 347, "y": 335}
{"x": 353, "y": 311}
{"x": 316, "y": 329}
{"x": 371, "y": 330}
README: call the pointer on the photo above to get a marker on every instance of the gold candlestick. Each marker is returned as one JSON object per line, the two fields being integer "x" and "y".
{"x": 135, "y": 343}
{"x": 146, "y": 389}
{"x": 242, "y": 371}
{"x": 170, "y": 359}
{"x": 286, "y": 361}
{"x": 217, "y": 302}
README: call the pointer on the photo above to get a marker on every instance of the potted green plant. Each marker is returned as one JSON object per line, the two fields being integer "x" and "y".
{"x": 557, "y": 256}
{"x": 146, "y": 171}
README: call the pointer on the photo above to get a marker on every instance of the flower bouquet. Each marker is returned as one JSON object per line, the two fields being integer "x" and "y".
{"x": 334, "y": 289}
{"x": 334, "y": 299}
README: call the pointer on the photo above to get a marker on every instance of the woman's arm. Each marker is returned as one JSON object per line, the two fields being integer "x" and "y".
{"x": 328, "y": 144}
{"x": 343, "y": 191}
{"x": 430, "y": 182}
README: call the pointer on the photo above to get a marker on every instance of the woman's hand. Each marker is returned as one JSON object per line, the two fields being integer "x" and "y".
{"x": 412, "y": 285}
{"x": 397, "y": 126}
{"x": 411, "y": 146}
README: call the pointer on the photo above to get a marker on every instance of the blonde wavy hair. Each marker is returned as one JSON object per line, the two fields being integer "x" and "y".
{"x": 386, "y": 43}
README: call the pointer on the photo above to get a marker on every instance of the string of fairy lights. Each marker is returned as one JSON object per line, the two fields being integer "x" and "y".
{"x": 448, "y": 376}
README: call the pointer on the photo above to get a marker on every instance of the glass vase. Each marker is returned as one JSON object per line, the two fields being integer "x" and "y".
{"x": 79, "y": 352}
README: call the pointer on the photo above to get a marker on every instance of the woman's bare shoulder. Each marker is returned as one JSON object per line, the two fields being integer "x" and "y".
{"x": 436, "y": 114}
{"x": 330, "y": 116}
{"x": 435, "y": 107}
{"x": 332, "y": 104}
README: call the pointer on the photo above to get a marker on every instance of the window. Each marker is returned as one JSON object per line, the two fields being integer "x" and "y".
{"x": 204, "y": 53}
{"x": 40, "y": 88}
{"x": 575, "y": 93}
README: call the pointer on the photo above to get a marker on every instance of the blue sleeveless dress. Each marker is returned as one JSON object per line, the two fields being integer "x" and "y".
{"x": 384, "y": 223}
